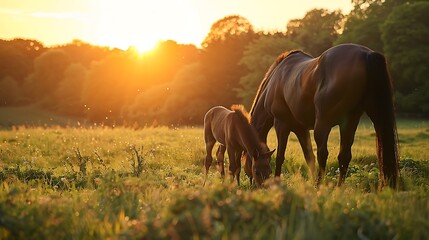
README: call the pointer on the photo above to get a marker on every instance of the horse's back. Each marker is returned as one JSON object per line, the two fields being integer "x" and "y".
{"x": 303, "y": 89}
{"x": 342, "y": 82}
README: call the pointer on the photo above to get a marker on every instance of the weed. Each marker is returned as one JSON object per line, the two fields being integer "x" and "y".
{"x": 62, "y": 192}
{"x": 136, "y": 160}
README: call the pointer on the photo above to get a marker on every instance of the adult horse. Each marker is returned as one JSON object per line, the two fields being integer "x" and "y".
{"x": 300, "y": 93}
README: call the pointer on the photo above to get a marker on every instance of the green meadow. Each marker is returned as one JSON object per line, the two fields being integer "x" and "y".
{"x": 111, "y": 182}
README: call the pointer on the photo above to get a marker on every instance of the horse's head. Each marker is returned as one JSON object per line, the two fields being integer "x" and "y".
{"x": 258, "y": 167}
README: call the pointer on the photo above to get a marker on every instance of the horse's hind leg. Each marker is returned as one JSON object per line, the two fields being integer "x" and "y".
{"x": 321, "y": 134}
{"x": 220, "y": 155}
{"x": 347, "y": 134}
{"x": 305, "y": 142}
{"x": 282, "y": 137}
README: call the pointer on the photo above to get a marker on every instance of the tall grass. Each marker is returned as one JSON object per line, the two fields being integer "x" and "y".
{"x": 44, "y": 193}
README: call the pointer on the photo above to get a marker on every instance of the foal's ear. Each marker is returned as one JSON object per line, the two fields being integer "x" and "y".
{"x": 269, "y": 153}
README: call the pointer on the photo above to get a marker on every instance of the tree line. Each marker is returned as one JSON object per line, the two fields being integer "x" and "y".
{"x": 177, "y": 83}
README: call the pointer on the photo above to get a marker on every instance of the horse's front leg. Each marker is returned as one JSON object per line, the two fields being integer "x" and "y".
{"x": 282, "y": 138}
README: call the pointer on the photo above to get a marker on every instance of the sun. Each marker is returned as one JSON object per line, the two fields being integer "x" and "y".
{"x": 146, "y": 46}
{"x": 143, "y": 24}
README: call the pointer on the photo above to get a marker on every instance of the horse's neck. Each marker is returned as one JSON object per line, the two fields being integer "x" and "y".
{"x": 261, "y": 121}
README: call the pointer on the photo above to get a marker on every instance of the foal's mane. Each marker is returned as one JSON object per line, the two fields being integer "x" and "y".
{"x": 267, "y": 76}
{"x": 252, "y": 136}
{"x": 241, "y": 112}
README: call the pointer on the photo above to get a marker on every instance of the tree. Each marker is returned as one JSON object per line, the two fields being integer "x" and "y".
{"x": 227, "y": 27}
{"x": 188, "y": 99}
{"x": 111, "y": 84}
{"x": 10, "y": 92}
{"x": 363, "y": 24}
{"x": 168, "y": 57}
{"x": 222, "y": 50}
{"x": 405, "y": 36}
{"x": 48, "y": 72}
{"x": 317, "y": 31}
{"x": 69, "y": 92}
{"x": 16, "y": 58}
{"x": 181, "y": 101}
{"x": 84, "y": 53}
{"x": 115, "y": 82}
{"x": 257, "y": 58}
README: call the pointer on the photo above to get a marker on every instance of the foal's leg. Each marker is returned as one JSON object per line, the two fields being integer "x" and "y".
{"x": 248, "y": 166}
{"x": 210, "y": 142}
{"x": 347, "y": 134}
{"x": 321, "y": 134}
{"x": 232, "y": 162}
{"x": 303, "y": 136}
{"x": 220, "y": 155}
{"x": 282, "y": 137}
{"x": 238, "y": 166}
{"x": 209, "y": 158}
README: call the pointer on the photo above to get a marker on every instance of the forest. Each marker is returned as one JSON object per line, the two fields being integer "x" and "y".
{"x": 175, "y": 84}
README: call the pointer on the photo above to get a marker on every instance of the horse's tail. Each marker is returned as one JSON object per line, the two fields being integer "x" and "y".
{"x": 382, "y": 114}
{"x": 267, "y": 76}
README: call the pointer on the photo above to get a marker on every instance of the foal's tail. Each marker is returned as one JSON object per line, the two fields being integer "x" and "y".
{"x": 382, "y": 113}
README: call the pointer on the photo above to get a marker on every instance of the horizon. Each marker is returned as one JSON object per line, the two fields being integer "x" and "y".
{"x": 142, "y": 24}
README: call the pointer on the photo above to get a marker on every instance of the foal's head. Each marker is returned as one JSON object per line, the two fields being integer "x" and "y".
{"x": 258, "y": 157}
{"x": 258, "y": 166}
{"x": 261, "y": 169}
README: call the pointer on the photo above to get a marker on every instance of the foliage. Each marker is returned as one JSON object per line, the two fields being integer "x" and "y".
{"x": 362, "y": 25}
{"x": 49, "y": 69}
{"x": 84, "y": 53}
{"x": 227, "y": 27}
{"x": 257, "y": 57}
{"x": 70, "y": 89}
{"x": 105, "y": 92}
{"x": 317, "y": 31}
{"x": 405, "y": 33}
{"x": 42, "y": 198}
{"x": 17, "y": 56}
{"x": 184, "y": 100}
{"x": 223, "y": 49}
{"x": 10, "y": 92}
{"x": 175, "y": 84}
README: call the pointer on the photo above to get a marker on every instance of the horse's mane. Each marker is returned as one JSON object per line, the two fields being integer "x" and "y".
{"x": 266, "y": 78}
{"x": 241, "y": 112}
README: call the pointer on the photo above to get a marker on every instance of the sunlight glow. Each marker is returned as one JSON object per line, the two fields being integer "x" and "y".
{"x": 143, "y": 23}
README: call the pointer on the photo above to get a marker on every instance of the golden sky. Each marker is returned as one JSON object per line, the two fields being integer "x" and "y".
{"x": 141, "y": 23}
